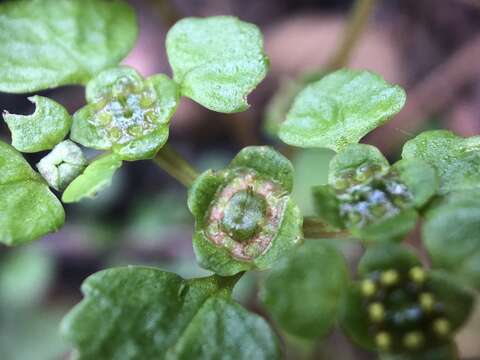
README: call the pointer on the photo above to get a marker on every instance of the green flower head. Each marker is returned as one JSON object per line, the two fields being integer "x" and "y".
{"x": 126, "y": 113}
{"x": 244, "y": 216}
{"x": 402, "y": 307}
{"x": 372, "y": 199}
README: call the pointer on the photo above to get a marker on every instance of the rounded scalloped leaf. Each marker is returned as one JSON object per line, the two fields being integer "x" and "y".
{"x": 29, "y": 209}
{"x": 385, "y": 256}
{"x": 96, "y": 177}
{"x": 43, "y": 129}
{"x": 268, "y": 162}
{"x": 355, "y": 164}
{"x": 340, "y": 109}
{"x": 145, "y": 313}
{"x": 451, "y": 234}
{"x": 244, "y": 217}
{"x": 49, "y": 43}
{"x": 303, "y": 289}
{"x": 420, "y": 178}
{"x": 456, "y": 159}
{"x": 126, "y": 114}
{"x": 217, "y": 60}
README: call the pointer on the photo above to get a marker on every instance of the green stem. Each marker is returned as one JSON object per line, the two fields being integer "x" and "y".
{"x": 358, "y": 19}
{"x": 175, "y": 165}
{"x": 315, "y": 228}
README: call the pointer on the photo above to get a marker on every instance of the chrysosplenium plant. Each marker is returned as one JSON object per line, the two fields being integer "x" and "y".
{"x": 245, "y": 216}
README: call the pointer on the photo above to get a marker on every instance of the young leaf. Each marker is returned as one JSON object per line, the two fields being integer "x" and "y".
{"x": 63, "y": 164}
{"x": 452, "y": 235}
{"x": 218, "y": 61}
{"x": 145, "y": 313}
{"x": 42, "y": 130}
{"x": 456, "y": 159}
{"x": 302, "y": 291}
{"x": 49, "y": 43}
{"x": 97, "y": 176}
{"x": 340, "y": 109}
{"x": 29, "y": 210}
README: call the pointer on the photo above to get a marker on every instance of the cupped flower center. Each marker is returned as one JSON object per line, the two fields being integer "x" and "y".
{"x": 244, "y": 215}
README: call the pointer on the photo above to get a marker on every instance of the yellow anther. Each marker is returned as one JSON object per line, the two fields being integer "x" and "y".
{"x": 389, "y": 277}
{"x": 417, "y": 274}
{"x": 441, "y": 327}
{"x": 427, "y": 301}
{"x": 413, "y": 340}
{"x": 383, "y": 340}
{"x": 376, "y": 312}
{"x": 368, "y": 288}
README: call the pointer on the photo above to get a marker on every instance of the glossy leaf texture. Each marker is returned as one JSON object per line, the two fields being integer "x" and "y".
{"x": 126, "y": 113}
{"x": 451, "y": 234}
{"x": 217, "y": 61}
{"x": 49, "y": 43}
{"x": 340, "y": 109}
{"x": 42, "y": 130}
{"x": 456, "y": 159}
{"x": 245, "y": 218}
{"x": 303, "y": 290}
{"x": 96, "y": 177}
{"x": 145, "y": 313}
{"x": 29, "y": 210}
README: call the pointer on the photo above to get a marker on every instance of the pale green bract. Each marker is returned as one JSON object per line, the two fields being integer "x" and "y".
{"x": 145, "y": 313}
{"x": 217, "y": 61}
{"x": 49, "y": 43}
{"x": 42, "y": 130}
{"x": 456, "y": 159}
{"x": 303, "y": 289}
{"x": 28, "y": 209}
{"x": 340, "y": 109}
{"x": 97, "y": 176}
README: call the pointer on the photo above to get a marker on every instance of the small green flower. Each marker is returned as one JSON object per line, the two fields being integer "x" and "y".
{"x": 372, "y": 199}
{"x": 399, "y": 307}
{"x": 126, "y": 113}
{"x": 244, "y": 216}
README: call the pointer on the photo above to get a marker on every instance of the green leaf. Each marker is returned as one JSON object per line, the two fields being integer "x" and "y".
{"x": 451, "y": 234}
{"x": 49, "y": 43}
{"x": 63, "y": 164}
{"x": 96, "y": 177}
{"x": 381, "y": 257}
{"x": 126, "y": 113}
{"x": 302, "y": 291}
{"x": 327, "y": 205}
{"x": 268, "y": 162}
{"x": 419, "y": 177}
{"x": 217, "y": 60}
{"x": 42, "y": 130}
{"x": 245, "y": 218}
{"x": 456, "y": 159}
{"x": 145, "y": 313}
{"x": 356, "y": 164}
{"x": 445, "y": 352}
{"x": 340, "y": 109}
{"x": 29, "y": 210}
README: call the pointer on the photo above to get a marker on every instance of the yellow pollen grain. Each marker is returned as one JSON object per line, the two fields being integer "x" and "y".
{"x": 413, "y": 340}
{"x": 383, "y": 340}
{"x": 389, "y": 277}
{"x": 368, "y": 288}
{"x": 441, "y": 327}
{"x": 427, "y": 301}
{"x": 376, "y": 312}
{"x": 417, "y": 274}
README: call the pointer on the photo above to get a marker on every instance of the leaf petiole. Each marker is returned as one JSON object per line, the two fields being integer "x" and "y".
{"x": 176, "y": 166}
